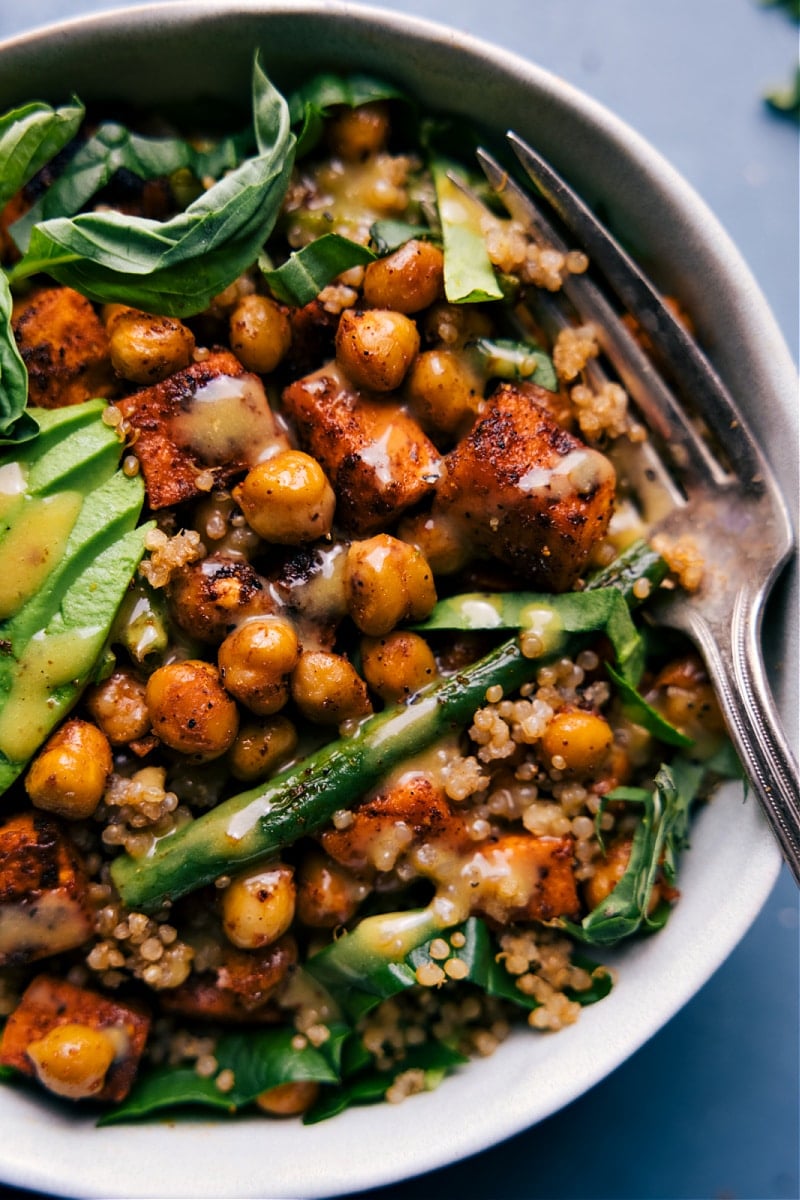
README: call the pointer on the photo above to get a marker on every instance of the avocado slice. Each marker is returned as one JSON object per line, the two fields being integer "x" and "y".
{"x": 69, "y": 526}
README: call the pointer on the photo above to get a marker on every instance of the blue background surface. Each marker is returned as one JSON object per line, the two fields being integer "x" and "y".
{"x": 709, "y": 1109}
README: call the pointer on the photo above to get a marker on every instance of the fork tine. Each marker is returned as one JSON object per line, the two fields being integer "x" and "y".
{"x": 660, "y": 408}
{"x": 690, "y": 369}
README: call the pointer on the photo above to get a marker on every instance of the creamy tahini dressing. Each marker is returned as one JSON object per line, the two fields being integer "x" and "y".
{"x": 13, "y": 480}
{"x": 34, "y": 545}
{"x": 581, "y": 471}
{"x": 47, "y": 664}
{"x": 229, "y": 419}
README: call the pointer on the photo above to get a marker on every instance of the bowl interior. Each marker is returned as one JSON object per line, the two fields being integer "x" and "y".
{"x": 167, "y": 56}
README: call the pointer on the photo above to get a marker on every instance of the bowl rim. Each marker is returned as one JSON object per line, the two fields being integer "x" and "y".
{"x": 771, "y": 357}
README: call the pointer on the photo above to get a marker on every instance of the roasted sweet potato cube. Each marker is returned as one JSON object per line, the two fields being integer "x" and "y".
{"x": 405, "y": 813}
{"x": 44, "y": 906}
{"x": 525, "y": 878}
{"x": 64, "y": 346}
{"x": 376, "y": 456}
{"x": 527, "y": 492}
{"x": 239, "y": 990}
{"x": 48, "y": 1003}
{"x": 211, "y": 417}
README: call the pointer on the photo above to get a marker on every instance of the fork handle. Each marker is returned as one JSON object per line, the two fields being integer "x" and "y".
{"x": 736, "y": 666}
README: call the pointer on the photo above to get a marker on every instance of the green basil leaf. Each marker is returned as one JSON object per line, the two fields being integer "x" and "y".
{"x": 306, "y": 272}
{"x": 310, "y": 105}
{"x": 259, "y": 1060}
{"x": 469, "y": 276}
{"x": 114, "y": 148}
{"x": 603, "y": 610}
{"x": 176, "y": 267}
{"x": 369, "y": 964}
{"x": 476, "y": 953}
{"x": 166, "y": 1088}
{"x": 29, "y": 137}
{"x": 645, "y": 715}
{"x": 15, "y": 424}
{"x": 657, "y": 841}
{"x": 602, "y": 982}
{"x": 389, "y": 235}
{"x": 505, "y": 358}
{"x": 435, "y": 1058}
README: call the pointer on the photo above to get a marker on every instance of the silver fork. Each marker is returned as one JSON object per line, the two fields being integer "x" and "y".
{"x": 732, "y": 509}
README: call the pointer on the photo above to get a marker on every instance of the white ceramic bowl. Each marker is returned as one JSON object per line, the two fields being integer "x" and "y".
{"x": 156, "y": 55}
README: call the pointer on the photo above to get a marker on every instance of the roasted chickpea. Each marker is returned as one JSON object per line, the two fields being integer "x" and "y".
{"x": 260, "y": 747}
{"x": 577, "y": 743}
{"x": 444, "y": 390}
{"x": 255, "y": 661}
{"x": 119, "y": 707}
{"x": 287, "y": 499}
{"x": 208, "y": 599}
{"x": 72, "y": 1060}
{"x": 376, "y": 347}
{"x": 258, "y": 907}
{"x": 327, "y": 689}
{"x": 683, "y": 693}
{"x": 407, "y": 280}
{"x": 190, "y": 711}
{"x": 260, "y": 333}
{"x": 69, "y": 775}
{"x": 288, "y": 1099}
{"x": 397, "y": 665}
{"x": 356, "y": 133}
{"x": 387, "y": 581}
{"x": 146, "y": 349}
{"x": 439, "y": 539}
{"x": 328, "y": 894}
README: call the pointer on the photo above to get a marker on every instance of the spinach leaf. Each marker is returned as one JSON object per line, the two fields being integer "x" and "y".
{"x": 15, "y": 424}
{"x": 306, "y": 272}
{"x": 114, "y": 148}
{"x": 176, "y": 267}
{"x": 29, "y": 137}
{"x": 657, "y": 841}
{"x": 469, "y": 276}
{"x": 645, "y": 715}
{"x": 259, "y": 1060}
{"x": 505, "y": 358}
{"x": 311, "y": 104}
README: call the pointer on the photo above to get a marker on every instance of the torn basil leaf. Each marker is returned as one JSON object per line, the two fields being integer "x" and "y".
{"x": 15, "y": 424}
{"x": 434, "y": 1058}
{"x": 29, "y": 137}
{"x": 469, "y": 276}
{"x": 114, "y": 148}
{"x": 306, "y": 272}
{"x": 551, "y": 617}
{"x": 389, "y": 235}
{"x": 505, "y": 358}
{"x": 657, "y": 840}
{"x": 645, "y": 715}
{"x": 258, "y": 1060}
{"x": 176, "y": 267}
{"x": 311, "y": 104}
